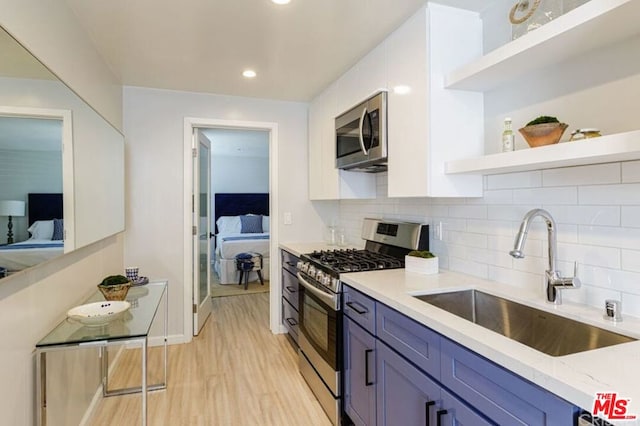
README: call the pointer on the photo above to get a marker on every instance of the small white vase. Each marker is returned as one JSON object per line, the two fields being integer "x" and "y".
{"x": 421, "y": 265}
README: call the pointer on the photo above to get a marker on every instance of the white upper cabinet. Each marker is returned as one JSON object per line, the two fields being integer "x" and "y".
{"x": 427, "y": 123}
{"x": 581, "y": 67}
{"x": 364, "y": 79}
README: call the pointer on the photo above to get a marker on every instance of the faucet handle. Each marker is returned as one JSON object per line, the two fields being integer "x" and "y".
{"x": 575, "y": 280}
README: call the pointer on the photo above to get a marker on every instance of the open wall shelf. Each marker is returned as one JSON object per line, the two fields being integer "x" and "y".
{"x": 569, "y": 35}
{"x": 604, "y": 149}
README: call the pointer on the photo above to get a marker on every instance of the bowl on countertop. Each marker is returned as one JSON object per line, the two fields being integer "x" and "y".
{"x": 543, "y": 134}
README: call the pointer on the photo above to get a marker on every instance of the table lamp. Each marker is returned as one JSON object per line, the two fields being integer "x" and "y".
{"x": 11, "y": 208}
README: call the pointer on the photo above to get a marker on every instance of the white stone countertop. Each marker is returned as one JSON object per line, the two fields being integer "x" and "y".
{"x": 576, "y": 377}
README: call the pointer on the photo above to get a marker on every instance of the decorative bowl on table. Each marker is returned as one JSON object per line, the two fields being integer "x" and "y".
{"x": 115, "y": 287}
{"x": 98, "y": 313}
{"x": 115, "y": 291}
{"x": 543, "y": 134}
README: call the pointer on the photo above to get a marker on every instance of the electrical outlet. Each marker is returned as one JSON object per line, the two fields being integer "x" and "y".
{"x": 437, "y": 231}
{"x": 288, "y": 220}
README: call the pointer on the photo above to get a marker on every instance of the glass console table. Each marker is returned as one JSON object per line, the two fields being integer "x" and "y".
{"x": 131, "y": 329}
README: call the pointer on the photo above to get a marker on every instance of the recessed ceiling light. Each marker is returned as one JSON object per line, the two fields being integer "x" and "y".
{"x": 281, "y": 1}
{"x": 249, "y": 73}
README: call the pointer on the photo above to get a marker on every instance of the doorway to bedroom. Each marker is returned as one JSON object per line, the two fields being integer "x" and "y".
{"x": 239, "y": 206}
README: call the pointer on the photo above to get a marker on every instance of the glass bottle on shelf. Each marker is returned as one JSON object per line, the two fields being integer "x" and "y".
{"x": 508, "y": 139}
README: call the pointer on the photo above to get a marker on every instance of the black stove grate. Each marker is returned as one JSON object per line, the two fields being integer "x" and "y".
{"x": 352, "y": 260}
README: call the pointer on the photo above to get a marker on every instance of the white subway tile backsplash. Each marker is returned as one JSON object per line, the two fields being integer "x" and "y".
{"x": 596, "y": 208}
{"x": 631, "y": 260}
{"x": 469, "y": 211}
{"x": 631, "y": 171}
{"x": 490, "y": 257}
{"x": 466, "y": 239}
{"x": 500, "y": 196}
{"x": 627, "y": 282}
{"x": 585, "y": 215}
{"x": 610, "y": 236}
{"x": 505, "y": 245}
{"x": 541, "y": 196}
{"x": 630, "y": 305}
{"x": 468, "y": 267}
{"x": 608, "y": 257}
{"x": 582, "y": 175}
{"x": 508, "y": 212}
{"x": 532, "y": 264}
{"x": 515, "y": 180}
{"x": 623, "y": 194}
{"x": 631, "y": 216}
{"x": 533, "y": 282}
{"x": 490, "y": 227}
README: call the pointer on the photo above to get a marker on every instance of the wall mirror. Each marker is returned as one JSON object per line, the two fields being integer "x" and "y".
{"x": 61, "y": 165}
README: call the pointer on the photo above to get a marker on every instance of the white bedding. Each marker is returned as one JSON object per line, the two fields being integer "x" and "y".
{"x": 229, "y": 249}
{"x": 14, "y": 258}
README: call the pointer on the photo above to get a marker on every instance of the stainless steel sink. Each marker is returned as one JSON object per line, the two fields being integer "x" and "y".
{"x": 546, "y": 332}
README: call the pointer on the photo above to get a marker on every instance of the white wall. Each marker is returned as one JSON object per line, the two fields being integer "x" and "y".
{"x": 34, "y": 301}
{"x": 597, "y": 209}
{"x": 239, "y": 174}
{"x": 154, "y": 124}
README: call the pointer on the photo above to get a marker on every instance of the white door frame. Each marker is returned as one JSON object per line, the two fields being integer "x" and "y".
{"x": 274, "y": 297}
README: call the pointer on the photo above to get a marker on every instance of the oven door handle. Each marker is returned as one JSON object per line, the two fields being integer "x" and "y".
{"x": 327, "y": 299}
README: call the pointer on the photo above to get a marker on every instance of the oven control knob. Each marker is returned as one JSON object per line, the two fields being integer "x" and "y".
{"x": 311, "y": 271}
{"x": 319, "y": 276}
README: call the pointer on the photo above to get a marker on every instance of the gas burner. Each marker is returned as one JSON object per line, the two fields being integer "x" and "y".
{"x": 354, "y": 260}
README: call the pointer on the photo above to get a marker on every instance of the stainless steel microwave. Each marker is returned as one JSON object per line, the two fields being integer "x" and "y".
{"x": 361, "y": 136}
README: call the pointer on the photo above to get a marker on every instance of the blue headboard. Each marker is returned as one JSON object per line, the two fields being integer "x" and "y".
{"x": 44, "y": 207}
{"x": 235, "y": 204}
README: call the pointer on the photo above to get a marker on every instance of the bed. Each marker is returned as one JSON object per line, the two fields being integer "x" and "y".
{"x": 242, "y": 225}
{"x": 46, "y": 230}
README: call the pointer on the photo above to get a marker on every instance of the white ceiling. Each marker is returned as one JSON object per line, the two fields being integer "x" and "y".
{"x": 204, "y": 45}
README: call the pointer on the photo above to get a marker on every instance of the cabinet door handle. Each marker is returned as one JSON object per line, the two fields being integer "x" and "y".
{"x": 360, "y": 311}
{"x": 291, "y": 289}
{"x": 427, "y": 411}
{"x": 290, "y": 263}
{"x": 439, "y": 415}
{"x": 367, "y": 382}
{"x": 292, "y": 322}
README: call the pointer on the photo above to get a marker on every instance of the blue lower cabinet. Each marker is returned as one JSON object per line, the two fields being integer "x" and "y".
{"x": 501, "y": 395}
{"x": 456, "y": 413}
{"x": 406, "y": 395}
{"x": 359, "y": 374}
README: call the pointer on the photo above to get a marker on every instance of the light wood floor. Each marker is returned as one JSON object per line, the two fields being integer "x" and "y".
{"x": 236, "y": 372}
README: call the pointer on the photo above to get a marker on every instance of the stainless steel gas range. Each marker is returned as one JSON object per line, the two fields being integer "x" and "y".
{"x": 320, "y": 289}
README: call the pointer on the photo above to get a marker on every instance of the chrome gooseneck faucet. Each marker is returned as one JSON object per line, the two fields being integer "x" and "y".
{"x": 555, "y": 282}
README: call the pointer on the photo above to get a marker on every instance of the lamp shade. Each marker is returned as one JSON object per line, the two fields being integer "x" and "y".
{"x": 11, "y": 208}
